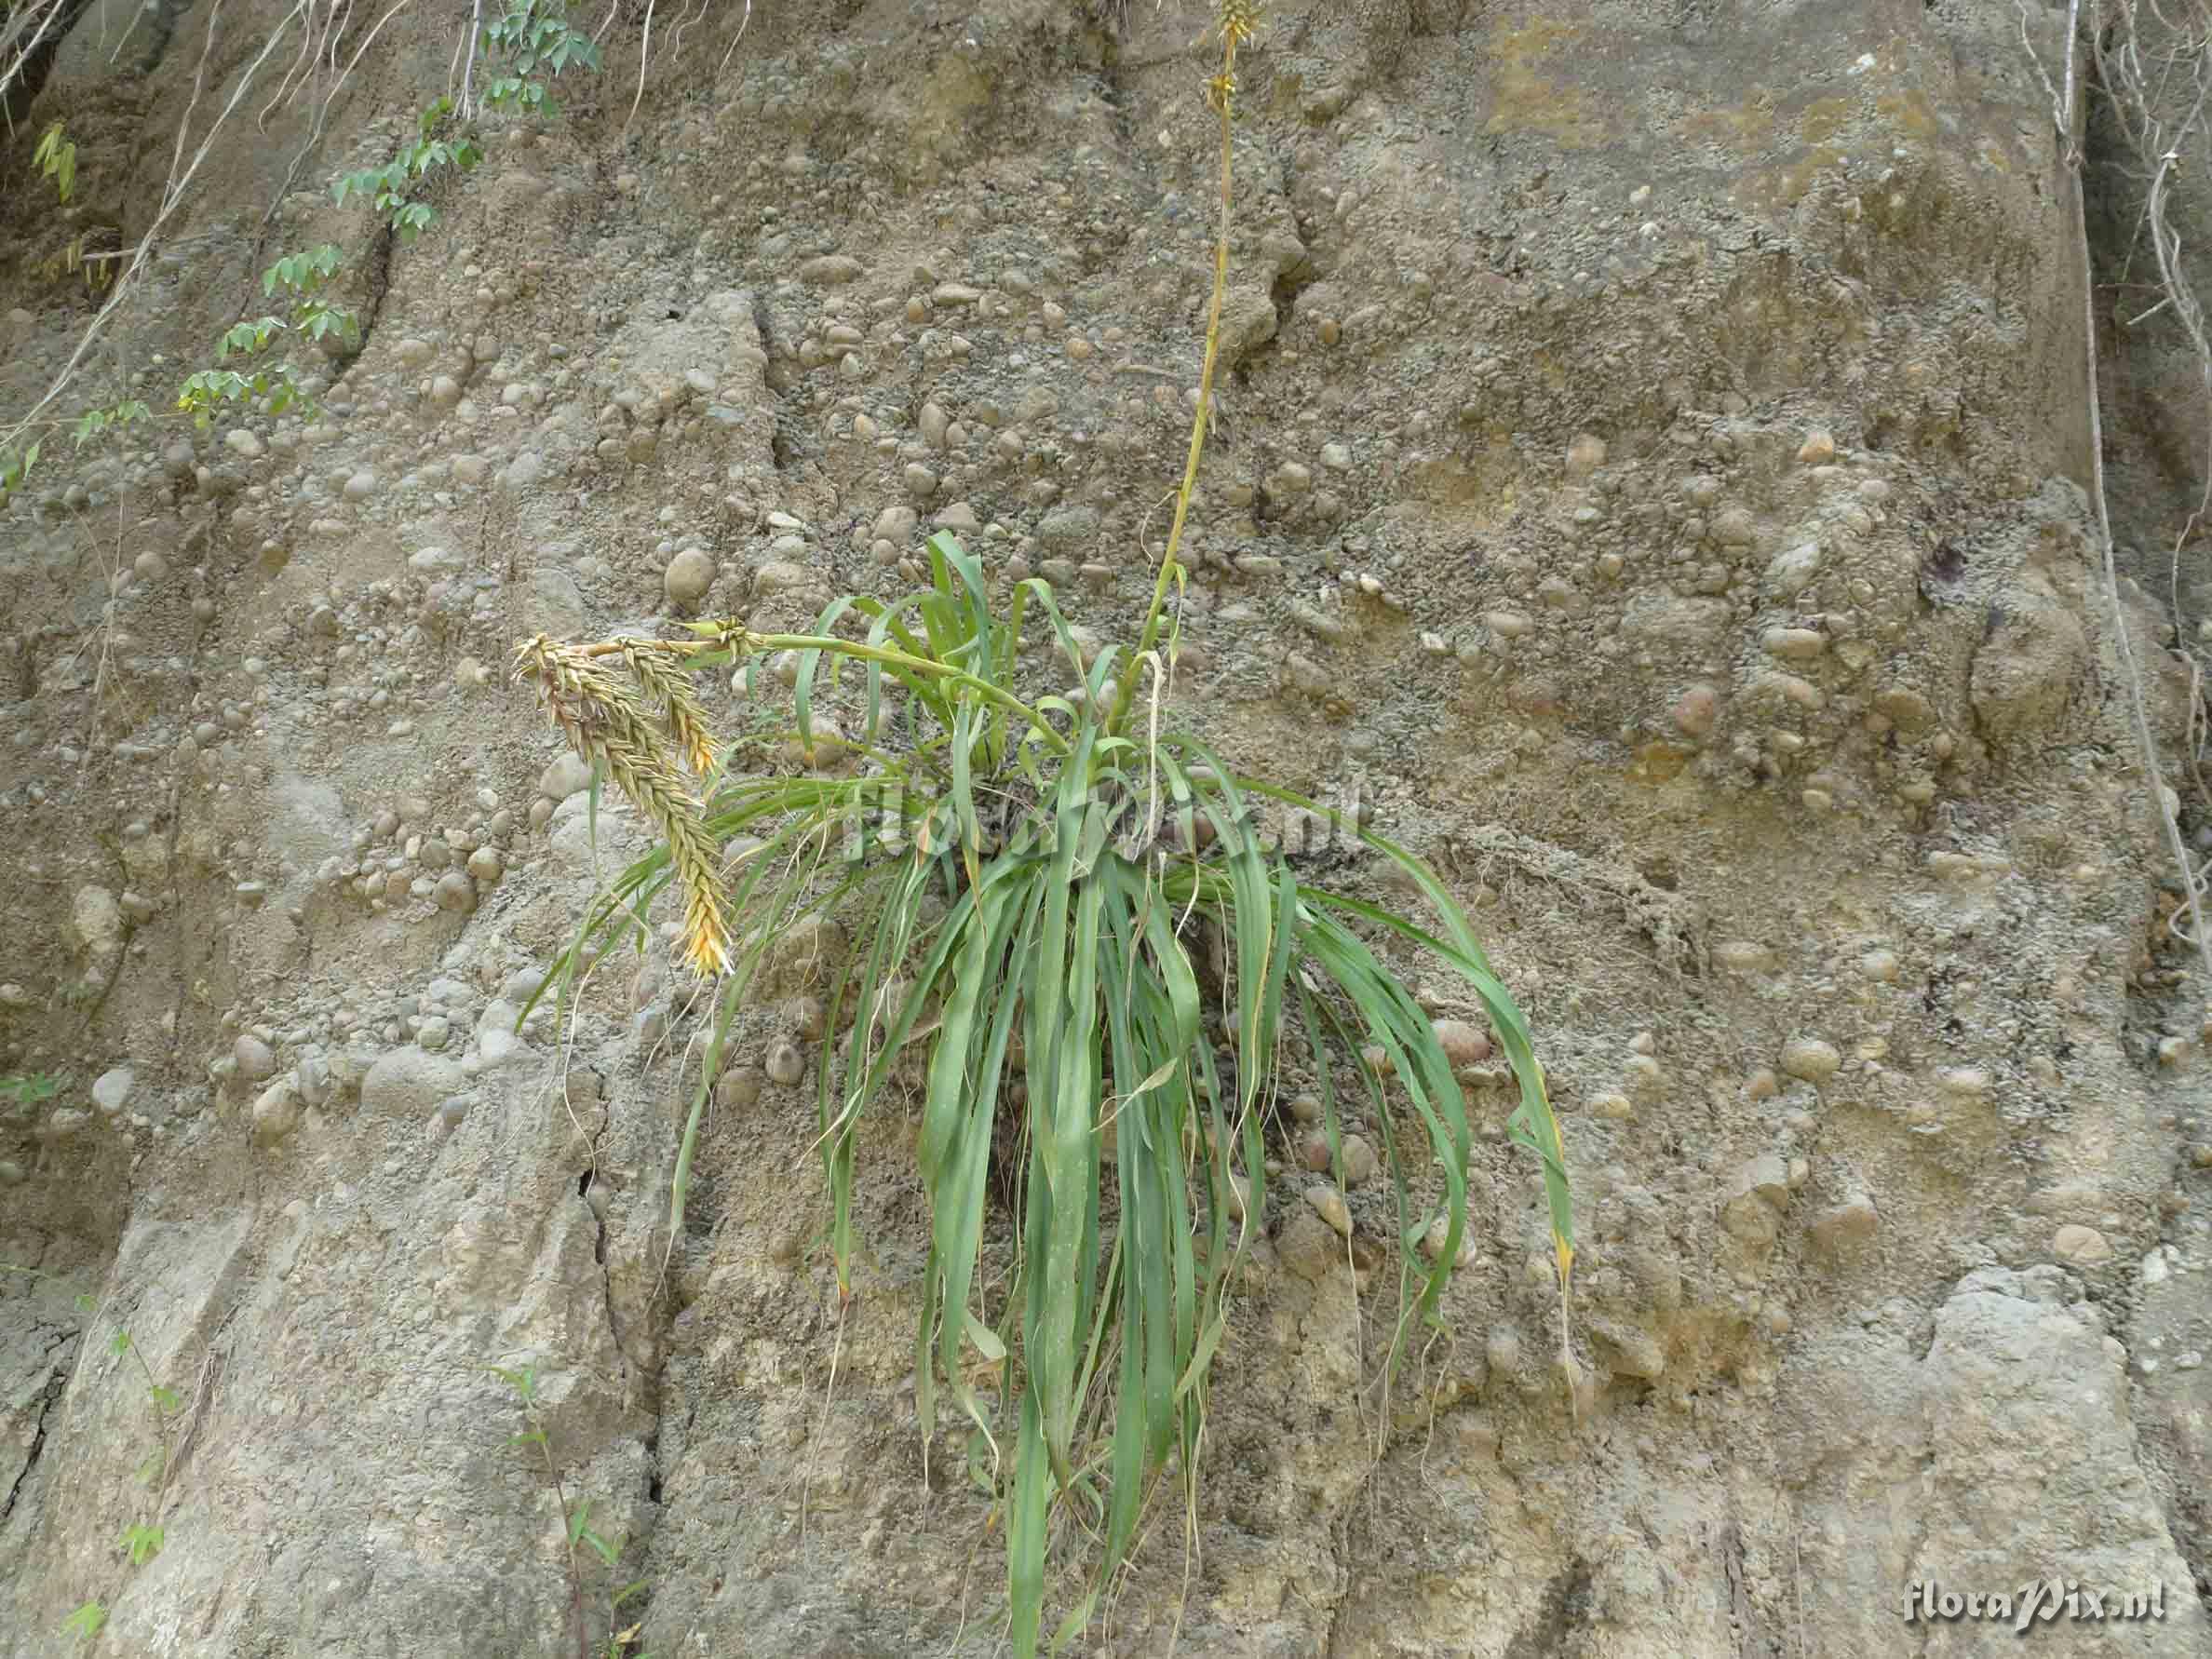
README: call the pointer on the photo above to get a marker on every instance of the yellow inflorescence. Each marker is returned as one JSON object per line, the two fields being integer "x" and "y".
{"x": 607, "y": 723}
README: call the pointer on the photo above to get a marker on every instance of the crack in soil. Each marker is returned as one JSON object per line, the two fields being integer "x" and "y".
{"x": 55, "y": 1380}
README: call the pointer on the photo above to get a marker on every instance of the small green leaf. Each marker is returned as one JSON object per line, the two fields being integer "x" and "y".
{"x": 85, "y": 1621}
{"x": 986, "y": 1339}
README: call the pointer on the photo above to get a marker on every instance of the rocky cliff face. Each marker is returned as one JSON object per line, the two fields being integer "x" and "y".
{"x": 1651, "y": 475}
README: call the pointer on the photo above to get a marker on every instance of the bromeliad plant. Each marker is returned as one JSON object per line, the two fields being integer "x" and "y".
{"x": 1069, "y": 921}
{"x": 1073, "y": 941}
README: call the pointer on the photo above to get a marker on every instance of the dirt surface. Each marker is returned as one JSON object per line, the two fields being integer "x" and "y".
{"x": 1650, "y": 474}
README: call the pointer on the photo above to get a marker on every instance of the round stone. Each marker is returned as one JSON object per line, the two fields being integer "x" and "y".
{"x": 2084, "y": 1247}
{"x": 690, "y": 574}
{"x": 111, "y": 1088}
{"x": 1811, "y": 1059}
{"x": 1586, "y": 454}
{"x": 785, "y": 1064}
{"x": 1329, "y": 1204}
{"x": 569, "y": 775}
{"x": 276, "y": 1112}
{"x": 1463, "y": 1043}
{"x": 257, "y": 1062}
{"x": 455, "y": 891}
{"x": 739, "y": 1086}
{"x": 408, "y": 1082}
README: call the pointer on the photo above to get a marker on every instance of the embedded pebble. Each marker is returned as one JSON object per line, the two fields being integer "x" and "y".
{"x": 829, "y": 270}
{"x": 455, "y": 891}
{"x": 1307, "y": 1247}
{"x": 1851, "y": 1222}
{"x": 785, "y": 1064}
{"x": 112, "y": 1088}
{"x": 1438, "y": 1233}
{"x": 1695, "y": 710}
{"x": 1810, "y": 1059}
{"x": 740, "y": 1086}
{"x": 408, "y": 1082}
{"x": 2084, "y": 1247}
{"x": 1329, "y": 1204}
{"x": 317, "y": 1079}
{"x": 1360, "y": 1163}
{"x": 496, "y": 1040}
{"x": 1240, "y": 1195}
{"x": 688, "y": 577}
{"x": 1765, "y": 1177}
{"x": 569, "y": 775}
{"x": 1465, "y": 1043}
{"x": 256, "y": 1060}
{"x": 1069, "y": 527}
{"x": 276, "y": 1112}
{"x": 1905, "y": 710}
{"x": 1501, "y": 1350}
{"x": 1732, "y": 527}
{"x": 1795, "y": 644}
{"x": 1792, "y": 572}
